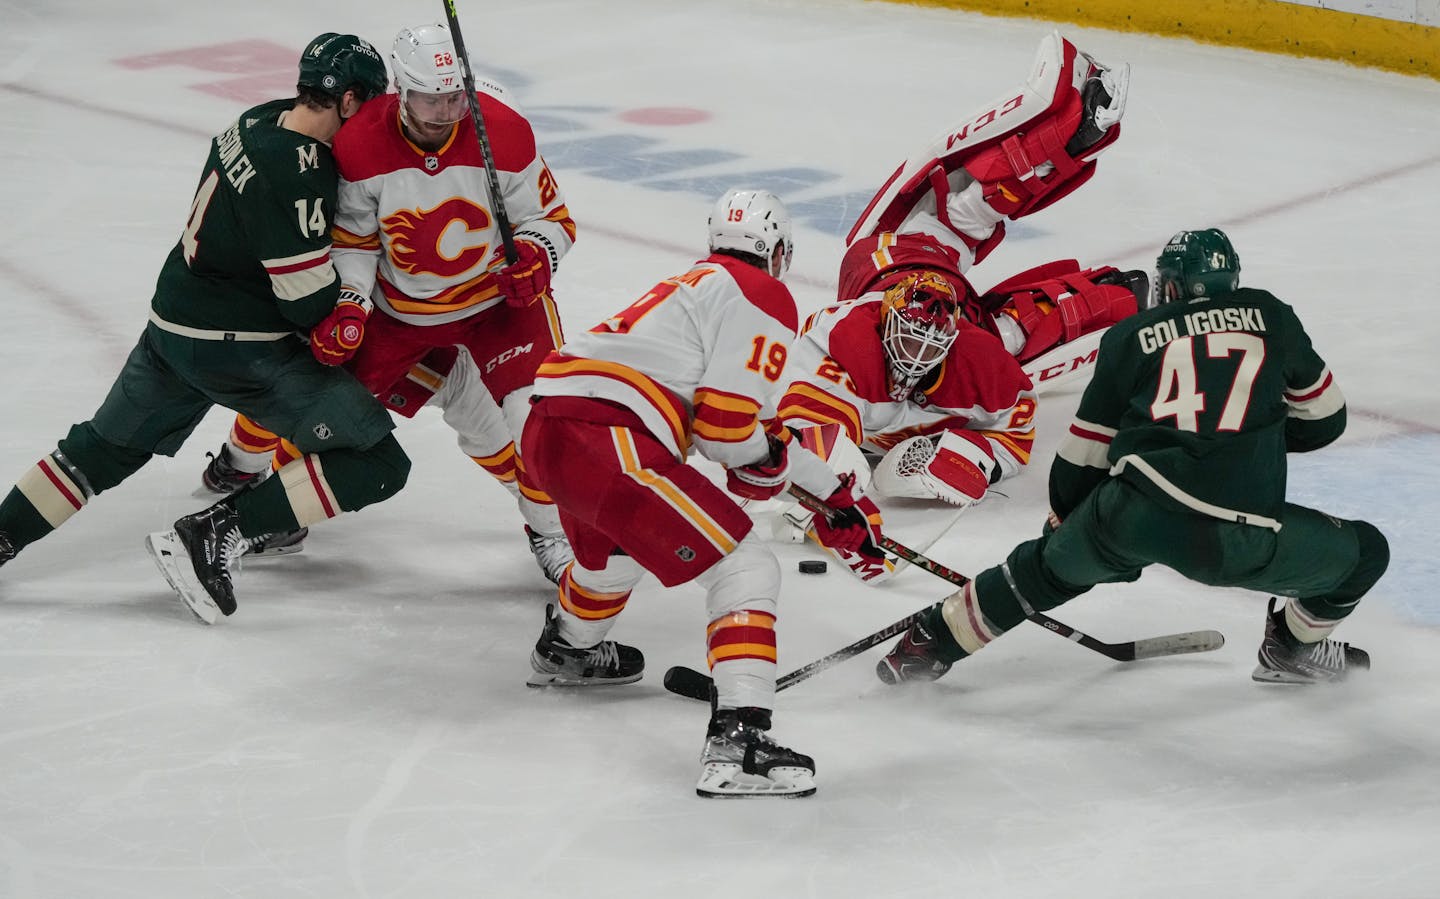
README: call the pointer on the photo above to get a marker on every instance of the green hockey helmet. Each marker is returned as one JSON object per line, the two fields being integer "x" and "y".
{"x": 1196, "y": 264}
{"x": 334, "y": 63}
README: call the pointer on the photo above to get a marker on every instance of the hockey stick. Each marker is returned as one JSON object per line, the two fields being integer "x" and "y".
{"x": 492, "y": 180}
{"x": 691, "y": 683}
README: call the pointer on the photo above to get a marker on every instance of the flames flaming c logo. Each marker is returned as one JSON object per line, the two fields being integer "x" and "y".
{"x": 415, "y": 236}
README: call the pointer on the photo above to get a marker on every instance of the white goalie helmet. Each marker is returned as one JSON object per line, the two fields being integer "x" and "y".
{"x": 428, "y": 76}
{"x": 753, "y": 222}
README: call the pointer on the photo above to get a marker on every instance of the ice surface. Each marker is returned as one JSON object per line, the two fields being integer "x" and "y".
{"x": 361, "y": 727}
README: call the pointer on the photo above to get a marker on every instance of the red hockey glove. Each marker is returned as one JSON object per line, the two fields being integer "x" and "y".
{"x": 761, "y": 480}
{"x": 338, "y": 335}
{"x": 527, "y": 278}
{"x": 855, "y": 525}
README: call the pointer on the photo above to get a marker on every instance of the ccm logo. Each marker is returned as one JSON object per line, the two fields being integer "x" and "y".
{"x": 506, "y": 356}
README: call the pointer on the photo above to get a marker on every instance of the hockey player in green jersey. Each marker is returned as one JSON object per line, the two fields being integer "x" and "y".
{"x": 1177, "y": 457}
{"x": 250, "y": 274}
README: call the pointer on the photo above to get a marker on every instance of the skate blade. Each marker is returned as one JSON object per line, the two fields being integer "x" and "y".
{"x": 170, "y": 557}
{"x": 542, "y": 680}
{"x": 726, "y": 780}
{"x": 1264, "y": 675}
{"x": 271, "y": 552}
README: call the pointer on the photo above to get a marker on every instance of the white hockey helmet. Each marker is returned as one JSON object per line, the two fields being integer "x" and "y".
{"x": 918, "y": 325}
{"x": 756, "y": 223}
{"x": 428, "y": 76}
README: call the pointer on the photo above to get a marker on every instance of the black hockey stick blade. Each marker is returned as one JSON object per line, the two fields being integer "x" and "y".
{"x": 688, "y": 682}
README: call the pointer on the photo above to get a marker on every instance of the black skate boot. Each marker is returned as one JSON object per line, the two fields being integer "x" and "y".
{"x": 558, "y": 664}
{"x": 740, "y": 761}
{"x": 924, "y": 653}
{"x": 223, "y": 478}
{"x": 1136, "y": 281}
{"x": 7, "y": 548}
{"x": 196, "y": 558}
{"x": 1285, "y": 660}
{"x": 279, "y": 543}
{"x": 1103, "y": 101}
{"x": 552, "y": 554}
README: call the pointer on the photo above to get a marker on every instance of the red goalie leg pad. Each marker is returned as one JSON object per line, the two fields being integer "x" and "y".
{"x": 1060, "y": 306}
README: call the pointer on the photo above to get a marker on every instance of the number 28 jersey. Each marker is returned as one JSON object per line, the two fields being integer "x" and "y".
{"x": 254, "y": 258}
{"x": 1197, "y": 403}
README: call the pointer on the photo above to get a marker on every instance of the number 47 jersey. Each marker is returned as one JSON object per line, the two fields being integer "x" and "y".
{"x": 1197, "y": 404}
{"x": 254, "y": 258}
{"x": 699, "y": 358}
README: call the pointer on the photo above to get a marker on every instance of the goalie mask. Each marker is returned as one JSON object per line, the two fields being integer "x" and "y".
{"x": 918, "y": 325}
{"x": 753, "y": 223}
{"x": 428, "y": 77}
{"x": 1196, "y": 264}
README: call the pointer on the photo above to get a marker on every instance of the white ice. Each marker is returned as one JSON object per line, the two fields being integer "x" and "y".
{"x": 361, "y": 728}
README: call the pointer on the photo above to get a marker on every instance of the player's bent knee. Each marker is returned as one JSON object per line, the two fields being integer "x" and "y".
{"x": 391, "y": 466}
{"x": 1374, "y": 560}
{"x": 102, "y": 463}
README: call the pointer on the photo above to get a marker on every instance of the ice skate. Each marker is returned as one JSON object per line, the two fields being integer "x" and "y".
{"x": 558, "y": 664}
{"x": 552, "y": 554}
{"x": 223, "y": 478}
{"x": 1103, "y": 97}
{"x": 1284, "y": 660}
{"x": 7, "y": 548}
{"x": 196, "y": 557}
{"x": 919, "y": 655}
{"x": 740, "y": 761}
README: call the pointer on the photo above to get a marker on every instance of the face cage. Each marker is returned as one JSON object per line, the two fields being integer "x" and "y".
{"x": 912, "y": 349}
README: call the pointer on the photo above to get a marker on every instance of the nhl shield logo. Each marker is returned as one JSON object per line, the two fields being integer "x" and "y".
{"x": 322, "y": 431}
{"x": 432, "y": 163}
{"x": 396, "y": 401}
{"x": 686, "y": 554}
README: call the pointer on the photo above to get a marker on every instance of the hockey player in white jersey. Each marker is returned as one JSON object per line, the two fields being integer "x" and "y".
{"x": 696, "y": 365}
{"x": 419, "y": 253}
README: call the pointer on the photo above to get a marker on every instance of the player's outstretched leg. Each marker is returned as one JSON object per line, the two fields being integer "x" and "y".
{"x": 1285, "y": 660}
{"x": 740, "y": 761}
{"x": 558, "y": 664}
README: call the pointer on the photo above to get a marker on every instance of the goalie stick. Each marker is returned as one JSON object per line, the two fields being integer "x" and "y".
{"x": 695, "y": 685}
{"x": 492, "y": 180}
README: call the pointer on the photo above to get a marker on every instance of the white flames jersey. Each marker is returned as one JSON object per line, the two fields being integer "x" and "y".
{"x": 700, "y": 358}
{"x": 416, "y": 231}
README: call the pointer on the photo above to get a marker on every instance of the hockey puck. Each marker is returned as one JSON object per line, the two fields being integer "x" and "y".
{"x": 813, "y": 566}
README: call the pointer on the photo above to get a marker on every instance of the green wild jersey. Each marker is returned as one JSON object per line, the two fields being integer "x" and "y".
{"x": 255, "y": 253}
{"x": 1198, "y": 402}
